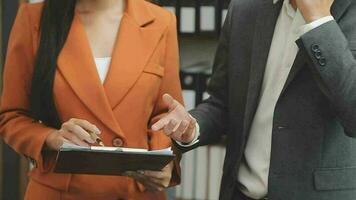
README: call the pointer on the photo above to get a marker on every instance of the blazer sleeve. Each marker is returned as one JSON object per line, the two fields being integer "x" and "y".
{"x": 332, "y": 58}
{"x": 171, "y": 85}
{"x": 25, "y": 135}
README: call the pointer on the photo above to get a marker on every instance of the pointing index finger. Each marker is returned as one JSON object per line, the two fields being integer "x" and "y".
{"x": 170, "y": 101}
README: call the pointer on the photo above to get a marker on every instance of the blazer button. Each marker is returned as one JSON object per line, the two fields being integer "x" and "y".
{"x": 315, "y": 48}
{"x": 280, "y": 128}
{"x": 318, "y": 54}
{"x": 117, "y": 142}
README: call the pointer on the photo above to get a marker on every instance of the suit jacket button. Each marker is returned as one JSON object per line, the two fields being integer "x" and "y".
{"x": 318, "y": 54}
{"x": 322, "y": 61}
{"x": 315, "y": 48}
{"x": 117, "y": 142}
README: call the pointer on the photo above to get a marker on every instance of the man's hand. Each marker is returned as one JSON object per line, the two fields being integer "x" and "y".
{"x": 178, "y": 124}
{"x": 153, "y": 180}
{"x": 314, "y": 9}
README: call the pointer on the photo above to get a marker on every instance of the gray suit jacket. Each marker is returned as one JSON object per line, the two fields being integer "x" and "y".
{"x": 313, "y": 145}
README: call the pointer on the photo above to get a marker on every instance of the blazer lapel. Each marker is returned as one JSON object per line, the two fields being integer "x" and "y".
{"x": 77, "y": 66}
{"x": 265, "y": 24}
{"x": 338, "y": 9}
{"x": 136, "y": 42}
{"x": 299, "y": 62}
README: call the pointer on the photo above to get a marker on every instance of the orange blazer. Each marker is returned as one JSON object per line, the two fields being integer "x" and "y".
{"x": 144, "y": 67}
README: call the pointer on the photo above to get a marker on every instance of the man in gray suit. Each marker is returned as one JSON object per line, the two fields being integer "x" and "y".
{"x": 283, "y": 92}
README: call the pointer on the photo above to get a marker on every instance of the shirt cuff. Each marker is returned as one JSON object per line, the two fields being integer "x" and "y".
{"x": 195, "y": 140}
{"x": 315, "y": 24}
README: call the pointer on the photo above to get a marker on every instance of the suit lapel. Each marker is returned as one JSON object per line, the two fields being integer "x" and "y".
{"x": 136, "y": 42}
{"x": 299, "y": 62}
{"x": 77, "y": 66}
{"x": 265, "y": 24}
{"x": 338, "y": 9}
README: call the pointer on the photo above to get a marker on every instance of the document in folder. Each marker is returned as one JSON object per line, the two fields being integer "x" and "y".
{"x": 109, "y": 160}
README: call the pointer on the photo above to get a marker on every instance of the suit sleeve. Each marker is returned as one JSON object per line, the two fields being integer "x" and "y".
{"x": 170, "y": 85}
{"x": 332, "y": 59}
{"x": 17, "y": 128}
{"x": 211, "y": 115}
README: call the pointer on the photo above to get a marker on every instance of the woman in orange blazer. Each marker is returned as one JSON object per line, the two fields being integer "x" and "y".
{"x": 55, "y": 92}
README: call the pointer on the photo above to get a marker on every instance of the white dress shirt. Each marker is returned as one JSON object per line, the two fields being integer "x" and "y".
{"x": 102, "y": 66}
{"x": 254, "y": 170}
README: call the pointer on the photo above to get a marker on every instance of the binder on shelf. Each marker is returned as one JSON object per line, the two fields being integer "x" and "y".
{"x": 216, "y": 159}
{"x": 170, "y": 5}
{"x": 170, "y": 9}
{"x": 202, "y": 174}
{"x": 224, "y": 14}
{"x": 189, "y": 99}
{"x": 189, "y": 167}
{"x": 210, "y": 16}
{"x": 187, "y": 19}
{"x": 187, "y": 16}
{"x": 207, "y": 18}
{"x": 109, "y": 160}
{"x": 197, "y": 16}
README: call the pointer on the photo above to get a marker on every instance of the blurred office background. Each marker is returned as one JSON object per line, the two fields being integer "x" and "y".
{"x": 199, "y": 26}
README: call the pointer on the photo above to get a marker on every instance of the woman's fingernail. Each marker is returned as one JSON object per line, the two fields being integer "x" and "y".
{"x": 89, "y": 140}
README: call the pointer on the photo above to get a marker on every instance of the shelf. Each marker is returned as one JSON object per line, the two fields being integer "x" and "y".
{"x": 197, "y": 16}
{"x": 197, "y": 53}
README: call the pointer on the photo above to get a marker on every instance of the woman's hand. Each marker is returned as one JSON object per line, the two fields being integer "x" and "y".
{"x": 74, "y": 131}
{"x": 154, "y": 180}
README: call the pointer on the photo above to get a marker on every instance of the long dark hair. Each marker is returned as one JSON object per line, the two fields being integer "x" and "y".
{"x": 56, "y": 20}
